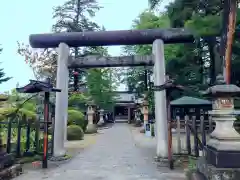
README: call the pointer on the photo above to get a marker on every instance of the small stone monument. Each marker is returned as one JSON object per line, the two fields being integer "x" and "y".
{"x": 91, "y": 128}
{"x": 101, "y": 120}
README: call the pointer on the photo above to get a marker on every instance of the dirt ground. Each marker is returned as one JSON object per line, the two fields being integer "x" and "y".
{"x": 73, "y": 149}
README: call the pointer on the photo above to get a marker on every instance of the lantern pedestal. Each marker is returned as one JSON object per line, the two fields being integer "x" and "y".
{"x": 101, "y": 121}
{"x": 91, "y": 129}
{"x": 223, "y": 147}
{"x": 138, "y": 122}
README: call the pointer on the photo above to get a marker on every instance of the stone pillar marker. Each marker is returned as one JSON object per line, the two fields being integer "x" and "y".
{"x": 91, "y": 128}
{"x": 60, "y": 124}
{"x": 223, "y": 148}
{"x": 101, "y": 121}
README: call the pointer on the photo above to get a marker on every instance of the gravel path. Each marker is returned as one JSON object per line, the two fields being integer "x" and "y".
{"x": 113, "y": 157}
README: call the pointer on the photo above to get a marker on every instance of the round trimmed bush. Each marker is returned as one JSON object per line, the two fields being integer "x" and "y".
{"x": 76, "y": 118}
{"x": 74, "y": 132}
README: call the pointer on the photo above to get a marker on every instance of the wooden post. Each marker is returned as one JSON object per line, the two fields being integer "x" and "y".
{"x": 195, "y": 129}
{"x": 210, "y": 124}
{"x": 188, "y": 136}
{"x": 203, "y": 130}
{"x": 178, "y": 135}
{"x": 229, "y": 20}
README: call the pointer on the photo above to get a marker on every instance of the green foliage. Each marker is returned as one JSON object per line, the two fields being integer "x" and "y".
{"x": 24, "y": 160}
{"x": 208, "y": 25}
{"x": 76, "y": 16}
{"x": 190, "y": 65}
{"x": 74, "y": 132}
{"x": 5, "y": 112}
{"x": 77, "y": 101}
{"x": 2, "y": 74}
{"x": 76, "y": 118}
{"x": 154, "y": 3}
{"x": 100, "y": 87}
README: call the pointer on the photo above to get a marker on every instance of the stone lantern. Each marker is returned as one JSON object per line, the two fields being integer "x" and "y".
{"x": 91, "y": 128}
{"x": 223, "y": 148}
{"x": 138, "y": 122}
{"x": 101, "y": 121}
{"x": 146, "y": 125}
{"x": 135, "y": 115}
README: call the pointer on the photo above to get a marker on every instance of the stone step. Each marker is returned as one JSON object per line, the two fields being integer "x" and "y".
{"x": 6, "y": 160}
{"x": 11, "y": 172}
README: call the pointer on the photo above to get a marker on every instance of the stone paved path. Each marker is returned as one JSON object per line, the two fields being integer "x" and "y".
{"x": 113, "y": 157}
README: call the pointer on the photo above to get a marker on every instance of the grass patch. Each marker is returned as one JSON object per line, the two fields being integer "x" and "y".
{"x": 25, "y": 160}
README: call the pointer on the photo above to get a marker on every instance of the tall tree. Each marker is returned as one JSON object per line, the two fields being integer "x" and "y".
{"x": 72, "y": 16}
{"x": 42, "y": 62}
{"x": 75, "y": 16}
{"x": 154, "y": 3}
{"x": 101, "y": 83}
{"x": 181, "y": 65}
{"x": 2, "y": 74}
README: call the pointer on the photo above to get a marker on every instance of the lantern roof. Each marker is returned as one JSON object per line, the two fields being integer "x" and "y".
{"x": 37, "y": 86}
{"x": 221, "y": 89}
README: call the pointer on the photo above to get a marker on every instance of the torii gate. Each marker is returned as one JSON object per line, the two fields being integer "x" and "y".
{"x": 63, "y": 41}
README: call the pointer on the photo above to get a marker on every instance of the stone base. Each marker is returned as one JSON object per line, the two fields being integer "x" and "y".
{"x": 100, "y": 123}
{"x": 194, "y": 174}
{"x": 6, "y": 160}
{"x": 11, "y": 172}
{"x": 59, "y": 158}
{"x": 162, "y": 161}
{"x": 223, "y": 159}
{"x": 138, "y": 124}
{"x": 212, "y": 173}
{"x": 142, "y": 130}
{"x": 91, "y": 129}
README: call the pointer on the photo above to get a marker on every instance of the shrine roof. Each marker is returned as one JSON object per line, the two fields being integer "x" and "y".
{"x": 187, "y": 100}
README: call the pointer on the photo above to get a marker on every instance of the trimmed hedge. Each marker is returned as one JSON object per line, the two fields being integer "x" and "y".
{"x": 74, "y": 132}
{"x": 76, "y": 118}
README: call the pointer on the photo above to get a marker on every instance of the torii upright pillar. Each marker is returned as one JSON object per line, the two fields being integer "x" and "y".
{"x": 160, "y": 99}
{"x": 60, "y": 123}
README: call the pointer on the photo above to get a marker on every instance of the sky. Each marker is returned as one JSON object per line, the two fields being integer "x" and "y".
{"x": 19, "y": 19}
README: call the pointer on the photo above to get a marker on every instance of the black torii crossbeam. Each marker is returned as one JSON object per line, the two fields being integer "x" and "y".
{"x": 108, "y": 38}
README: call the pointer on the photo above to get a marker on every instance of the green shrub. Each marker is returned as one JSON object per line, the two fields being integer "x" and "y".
{"x": 4, "y": 112}
{"x": 76, "y": 118}
{"x": 74, "y": 132}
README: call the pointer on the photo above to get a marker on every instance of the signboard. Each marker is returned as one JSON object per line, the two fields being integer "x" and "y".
{"x": 148, "y": 129}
